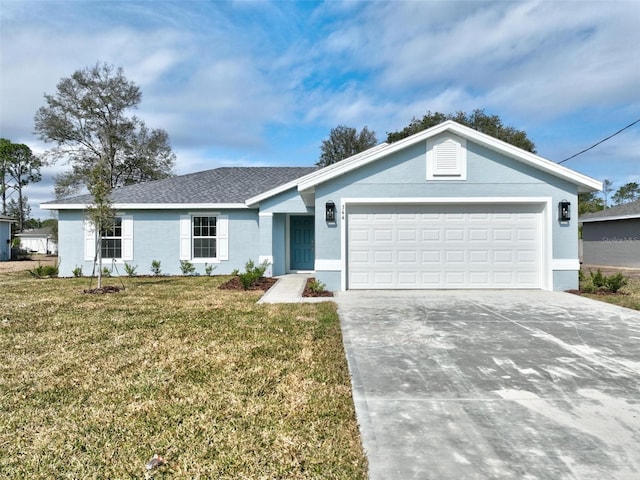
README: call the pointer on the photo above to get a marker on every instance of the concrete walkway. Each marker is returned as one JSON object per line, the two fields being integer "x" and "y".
{"x": 289, "y": 288}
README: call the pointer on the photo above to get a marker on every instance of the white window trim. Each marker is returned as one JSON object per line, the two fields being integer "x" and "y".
{"x": 461, "y": 172}
{"x": 91, "y": 241}
{"x": 186, "y": 237}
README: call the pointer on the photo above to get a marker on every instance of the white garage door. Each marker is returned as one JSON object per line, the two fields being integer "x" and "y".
{"x": 444, "y": 246}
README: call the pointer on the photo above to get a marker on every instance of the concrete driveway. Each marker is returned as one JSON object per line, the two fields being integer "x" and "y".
{"x": 495, "y": 384}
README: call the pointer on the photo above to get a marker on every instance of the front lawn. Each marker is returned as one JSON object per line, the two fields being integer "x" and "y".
{"x": 91, "y": 386}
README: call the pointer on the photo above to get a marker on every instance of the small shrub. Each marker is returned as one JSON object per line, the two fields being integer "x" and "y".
{"x": 597, "y": 279}
{"x": 598, "y": 282}
{"x": 106, "y": 272}
{"x": 613, "y": 283}
{"x": 77, "y": 272}
{"x": 208, "y": 269}
{"x": 44, "y": 271}
{"x": 252, "y": 273}
{"x": 155, "y": 268}
{"x": 316, "y": 286}
{"x": 235, "y": 272}
{"x": 130, "y": 270}
{"x": 187, "y": 267}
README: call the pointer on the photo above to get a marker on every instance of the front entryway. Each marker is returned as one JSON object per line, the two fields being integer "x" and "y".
{"x": 301, "y": 242}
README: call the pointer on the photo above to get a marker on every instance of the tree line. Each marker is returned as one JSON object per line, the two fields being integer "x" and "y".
{"x": 88, "y": 121}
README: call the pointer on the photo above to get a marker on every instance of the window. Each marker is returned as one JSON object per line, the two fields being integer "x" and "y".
{"x": 204, "y": 237}
{"x": 117, "y": 239}
{"x": 447, "y": 158}
{"x": 112, "y": 239}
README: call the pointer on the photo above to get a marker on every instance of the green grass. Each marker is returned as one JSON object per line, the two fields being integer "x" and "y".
{"x": 629, "y": 296}
{"x": 91, "y": 386}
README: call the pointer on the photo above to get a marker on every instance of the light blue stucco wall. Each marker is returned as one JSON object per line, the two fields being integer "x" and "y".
{"x": 489, "y": 175}
{"x": 156, "y": 236}
{"x": 5, "y": 241}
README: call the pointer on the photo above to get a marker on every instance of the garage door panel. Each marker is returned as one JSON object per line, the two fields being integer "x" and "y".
{"x": 383, "y": 235}
{"x": 407, "y": 257}
{"x": 444, "y": 246}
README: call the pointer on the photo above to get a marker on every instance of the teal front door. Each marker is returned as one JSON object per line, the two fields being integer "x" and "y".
{"x": 301, "y": 238}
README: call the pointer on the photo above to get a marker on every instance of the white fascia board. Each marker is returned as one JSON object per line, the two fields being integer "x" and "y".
{"x": 588, "y": 184}
{"x": 148, "y": 206}
{"x": 606, "y": 219}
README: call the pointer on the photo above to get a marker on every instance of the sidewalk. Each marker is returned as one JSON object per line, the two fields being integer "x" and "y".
{"x": 289, "y": 288}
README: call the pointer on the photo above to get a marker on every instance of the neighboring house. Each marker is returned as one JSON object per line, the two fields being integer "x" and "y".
{"x": 611, "y": 237}
{"x": 448, "y": 207}
{"x": 38, "y": 240}
{"x": 5, "y": 237}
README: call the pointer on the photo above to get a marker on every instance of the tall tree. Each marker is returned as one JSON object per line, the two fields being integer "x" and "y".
{"x": 87, "y": 120}
{"x": 629, "y": 192}
{"x": 19, "y": 167}
{"x": 607, "y": 188}
{"x": 344, "y": 142}
{"x": 589, "y": 202}
{"x": 478, "y": 120}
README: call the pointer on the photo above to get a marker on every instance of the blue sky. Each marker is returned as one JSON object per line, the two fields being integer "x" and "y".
{"x": 263, "y": 83}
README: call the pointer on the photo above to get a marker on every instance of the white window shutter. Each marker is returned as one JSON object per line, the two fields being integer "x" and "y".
{"x": 185, "y": 237}
{"x": 127, "y": 237}
{"x": 222, "y": 232}
{"x": 89, "y": 240}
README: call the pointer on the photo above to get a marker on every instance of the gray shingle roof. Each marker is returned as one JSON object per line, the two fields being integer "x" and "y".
{"x": 626, "y": 210}
{"x": 220, "y": 185}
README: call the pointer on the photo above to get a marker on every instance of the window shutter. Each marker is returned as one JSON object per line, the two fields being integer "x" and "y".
{"x": 222, "y": 226}
{"x": 446, "y": 158}
{"x": 89, "y": 240}
{"x": 127, "y": 237}
{"x": 185, "y": 237}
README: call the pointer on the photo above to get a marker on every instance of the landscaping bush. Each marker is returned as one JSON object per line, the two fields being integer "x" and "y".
{"x": 130, "y": 270}
{"x": 316, "y": 286}
{"x": 77, "y": 272}
{"x": 44, "y": 271}
{"x": 597, "y": 282}
{"x": 187, "y": 267}
{"x": 155, "y": 268}
{"x": 252, "y": 273}
{"x": 208, "y": 269}
{"x": 615, "y": 282}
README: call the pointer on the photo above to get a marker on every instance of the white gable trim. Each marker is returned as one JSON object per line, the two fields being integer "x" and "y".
{"x": 588, "y": 184}
{"x": 297, "y": 181}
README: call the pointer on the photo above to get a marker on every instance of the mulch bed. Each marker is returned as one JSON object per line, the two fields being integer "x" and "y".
{"x": 105, "y": 289}
{"x": 263, "y": 284}
{"x": 308, "y": 293}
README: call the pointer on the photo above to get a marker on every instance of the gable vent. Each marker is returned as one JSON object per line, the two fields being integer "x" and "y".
{"x": 447, "y": 159}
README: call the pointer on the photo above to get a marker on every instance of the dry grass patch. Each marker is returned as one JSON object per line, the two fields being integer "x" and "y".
{"x": 628, "y": 296}
{"x": 91, "y": 386}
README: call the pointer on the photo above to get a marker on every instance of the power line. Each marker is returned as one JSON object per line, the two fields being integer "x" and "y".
{"x": 601, "y": 141}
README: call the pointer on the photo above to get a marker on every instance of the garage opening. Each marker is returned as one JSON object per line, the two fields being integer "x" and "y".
{"x": 445, "y": 246}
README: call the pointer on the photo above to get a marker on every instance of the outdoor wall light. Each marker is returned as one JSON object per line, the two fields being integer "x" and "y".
{"x": 330, "y": 212}
{"x": 564, "y": 211}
